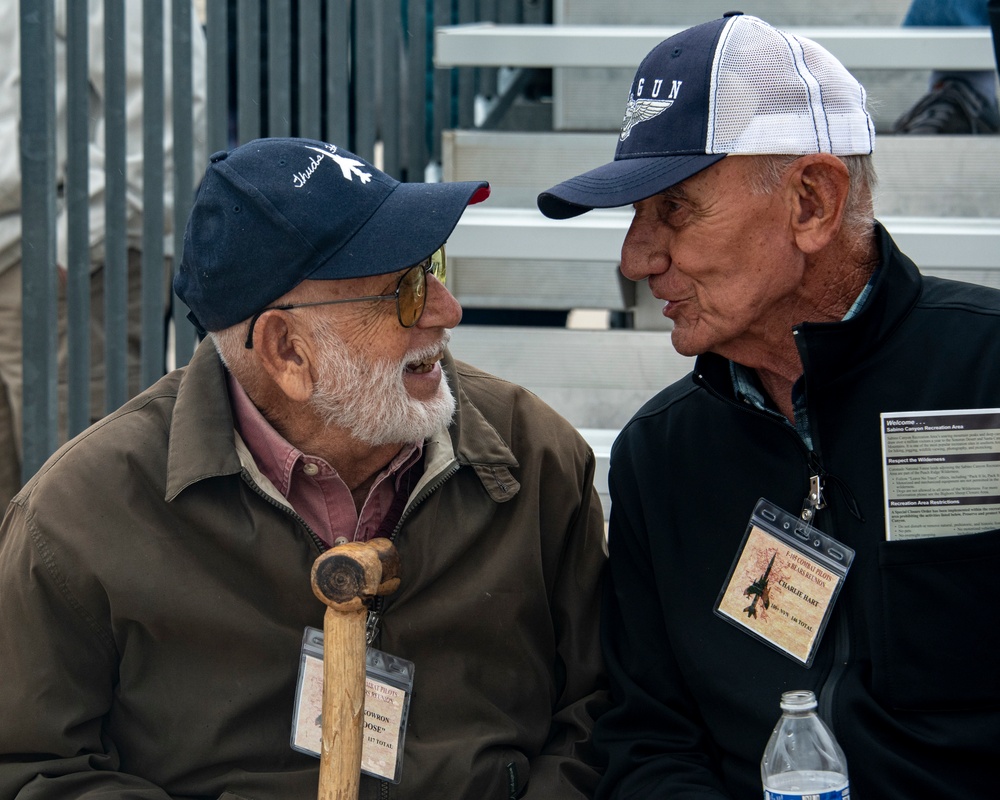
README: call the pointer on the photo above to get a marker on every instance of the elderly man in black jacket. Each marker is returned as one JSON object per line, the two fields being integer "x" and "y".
{"x": 841, "y": 405}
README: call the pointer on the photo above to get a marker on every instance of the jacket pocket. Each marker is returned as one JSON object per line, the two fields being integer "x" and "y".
{"x": 939, "y": 643}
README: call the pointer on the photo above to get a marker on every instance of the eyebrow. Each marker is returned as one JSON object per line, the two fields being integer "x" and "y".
{"x": 674, "y": 193}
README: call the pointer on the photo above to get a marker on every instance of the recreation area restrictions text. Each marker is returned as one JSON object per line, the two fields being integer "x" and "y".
{"x": 942, "y": 473}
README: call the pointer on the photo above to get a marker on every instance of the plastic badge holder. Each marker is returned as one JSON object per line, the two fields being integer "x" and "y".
{"x": 784, "y": 582}
{"x": 388, "y": 687}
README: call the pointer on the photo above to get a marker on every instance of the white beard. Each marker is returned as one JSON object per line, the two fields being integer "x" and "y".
{"x": 369, "y": 398}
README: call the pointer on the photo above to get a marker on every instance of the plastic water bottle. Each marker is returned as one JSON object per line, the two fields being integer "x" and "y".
{"x": 802, "y": 758}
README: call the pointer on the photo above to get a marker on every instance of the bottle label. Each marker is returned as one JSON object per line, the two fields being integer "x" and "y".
{"x": 836, "y": 794}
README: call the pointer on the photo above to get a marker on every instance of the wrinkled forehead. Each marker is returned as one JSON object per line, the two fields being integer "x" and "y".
{"x": 311, "y": 290}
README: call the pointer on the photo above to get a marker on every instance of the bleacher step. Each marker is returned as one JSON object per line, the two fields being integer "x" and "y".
{"x": 950, "y": 176}
{"x": 596, "y": 379}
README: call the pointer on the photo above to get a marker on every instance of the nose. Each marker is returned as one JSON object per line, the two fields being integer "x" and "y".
{"x": 645, "y": 249}
{"x": 441, "y": 310}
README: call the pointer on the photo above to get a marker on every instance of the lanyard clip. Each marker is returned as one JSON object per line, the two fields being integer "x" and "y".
{"x": 814, "y": 500}
{"x": 371, "y": 626}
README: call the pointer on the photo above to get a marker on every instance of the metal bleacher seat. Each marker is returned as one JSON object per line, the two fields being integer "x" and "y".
{"x": 871, "y": 47}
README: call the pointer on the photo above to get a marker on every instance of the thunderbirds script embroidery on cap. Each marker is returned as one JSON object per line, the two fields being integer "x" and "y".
{"x": 637, "y": 111}
{"x": 349, "y": 167}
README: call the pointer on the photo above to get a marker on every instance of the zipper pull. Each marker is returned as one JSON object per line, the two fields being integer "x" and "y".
{"x": 371, "y": 625}
{"x": 814, "y": 500}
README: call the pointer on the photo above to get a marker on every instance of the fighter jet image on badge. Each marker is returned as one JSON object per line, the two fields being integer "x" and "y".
{"x": 759, "y": 590}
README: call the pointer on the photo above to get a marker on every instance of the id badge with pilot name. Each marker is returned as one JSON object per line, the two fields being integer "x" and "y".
{"x": 388, "y": 687}
{"x": 784, "y": 582}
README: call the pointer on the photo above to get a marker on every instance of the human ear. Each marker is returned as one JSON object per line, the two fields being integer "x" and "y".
{"x": 285, "y": 355}
{"x": 818, "y": 186}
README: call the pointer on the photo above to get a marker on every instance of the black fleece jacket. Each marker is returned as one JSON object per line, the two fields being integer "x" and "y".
{"x": 908, "y": 670}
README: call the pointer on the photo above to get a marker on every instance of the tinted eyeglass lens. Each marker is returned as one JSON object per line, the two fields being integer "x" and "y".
{"x": 439, "y": 266}
{"x": 412, "y": 294}
{"x": 412, "y": 290}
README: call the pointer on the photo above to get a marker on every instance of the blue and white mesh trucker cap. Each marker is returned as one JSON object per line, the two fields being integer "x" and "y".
{"x": 733, "y": 86}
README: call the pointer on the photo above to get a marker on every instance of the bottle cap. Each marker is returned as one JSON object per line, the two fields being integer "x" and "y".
{"x": 800, "y": 700}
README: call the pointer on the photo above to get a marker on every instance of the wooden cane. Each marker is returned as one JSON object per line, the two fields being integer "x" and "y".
{"x": 346, "y": 578}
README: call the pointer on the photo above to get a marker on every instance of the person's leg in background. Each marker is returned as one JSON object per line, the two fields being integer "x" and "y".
{"x": 11, "y": 380}
{"x": 97, "y": 337}
{"x": 11, "y": 369}
{"x": 10, "y": 465}
{"x": 958, "y": 101}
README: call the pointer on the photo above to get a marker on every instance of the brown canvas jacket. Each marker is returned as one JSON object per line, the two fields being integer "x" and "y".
{"x": 155, "y": 590}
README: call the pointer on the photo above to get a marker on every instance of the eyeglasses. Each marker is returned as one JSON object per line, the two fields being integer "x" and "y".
{"x": 410, "y": 294}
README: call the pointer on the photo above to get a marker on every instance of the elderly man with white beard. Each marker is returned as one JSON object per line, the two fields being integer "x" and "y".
{"x": 158, "y": 618}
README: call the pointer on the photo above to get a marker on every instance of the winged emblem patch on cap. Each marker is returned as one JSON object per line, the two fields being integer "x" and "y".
{"x": 637, "y": 111}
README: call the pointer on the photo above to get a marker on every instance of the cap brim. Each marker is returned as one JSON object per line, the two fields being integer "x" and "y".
{"x": 413, "y": 221}
{"x": 620, "y": 183}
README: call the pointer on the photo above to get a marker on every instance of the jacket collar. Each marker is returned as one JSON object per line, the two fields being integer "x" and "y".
{"x": 477, "y": 444}
{"x": 203, "y": 439}
{"x": 202, "y": 443}
{"x": 830, "y": 349}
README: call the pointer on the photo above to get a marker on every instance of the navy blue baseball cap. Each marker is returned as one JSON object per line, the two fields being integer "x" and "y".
{"x": 275, "y": 212}
{"x": 732, "y": 86}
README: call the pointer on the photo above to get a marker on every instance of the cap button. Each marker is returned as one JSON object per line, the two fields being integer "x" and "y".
{"x": 733, "y": 14}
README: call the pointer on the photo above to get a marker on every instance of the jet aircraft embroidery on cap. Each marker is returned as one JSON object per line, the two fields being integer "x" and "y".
{"x": 349, "y": 167}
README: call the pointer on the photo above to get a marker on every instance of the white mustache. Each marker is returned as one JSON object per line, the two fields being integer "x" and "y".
{"x": 429, "y": 353}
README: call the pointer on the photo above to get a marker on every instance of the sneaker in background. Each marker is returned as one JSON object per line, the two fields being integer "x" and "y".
{"x": 952, "y": 106}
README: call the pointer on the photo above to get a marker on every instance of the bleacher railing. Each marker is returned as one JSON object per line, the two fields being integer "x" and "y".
{"x": 358, "y": 73}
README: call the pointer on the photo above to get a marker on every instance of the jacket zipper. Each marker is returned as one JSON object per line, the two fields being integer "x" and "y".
{"x": 375, "y": 614}
{"x": 320, "y": 544}
{"x": 841, "y": 655}
{"x": 841, "y": 642}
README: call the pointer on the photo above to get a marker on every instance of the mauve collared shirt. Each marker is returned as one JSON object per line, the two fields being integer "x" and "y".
{"x": 310, "y": 485}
